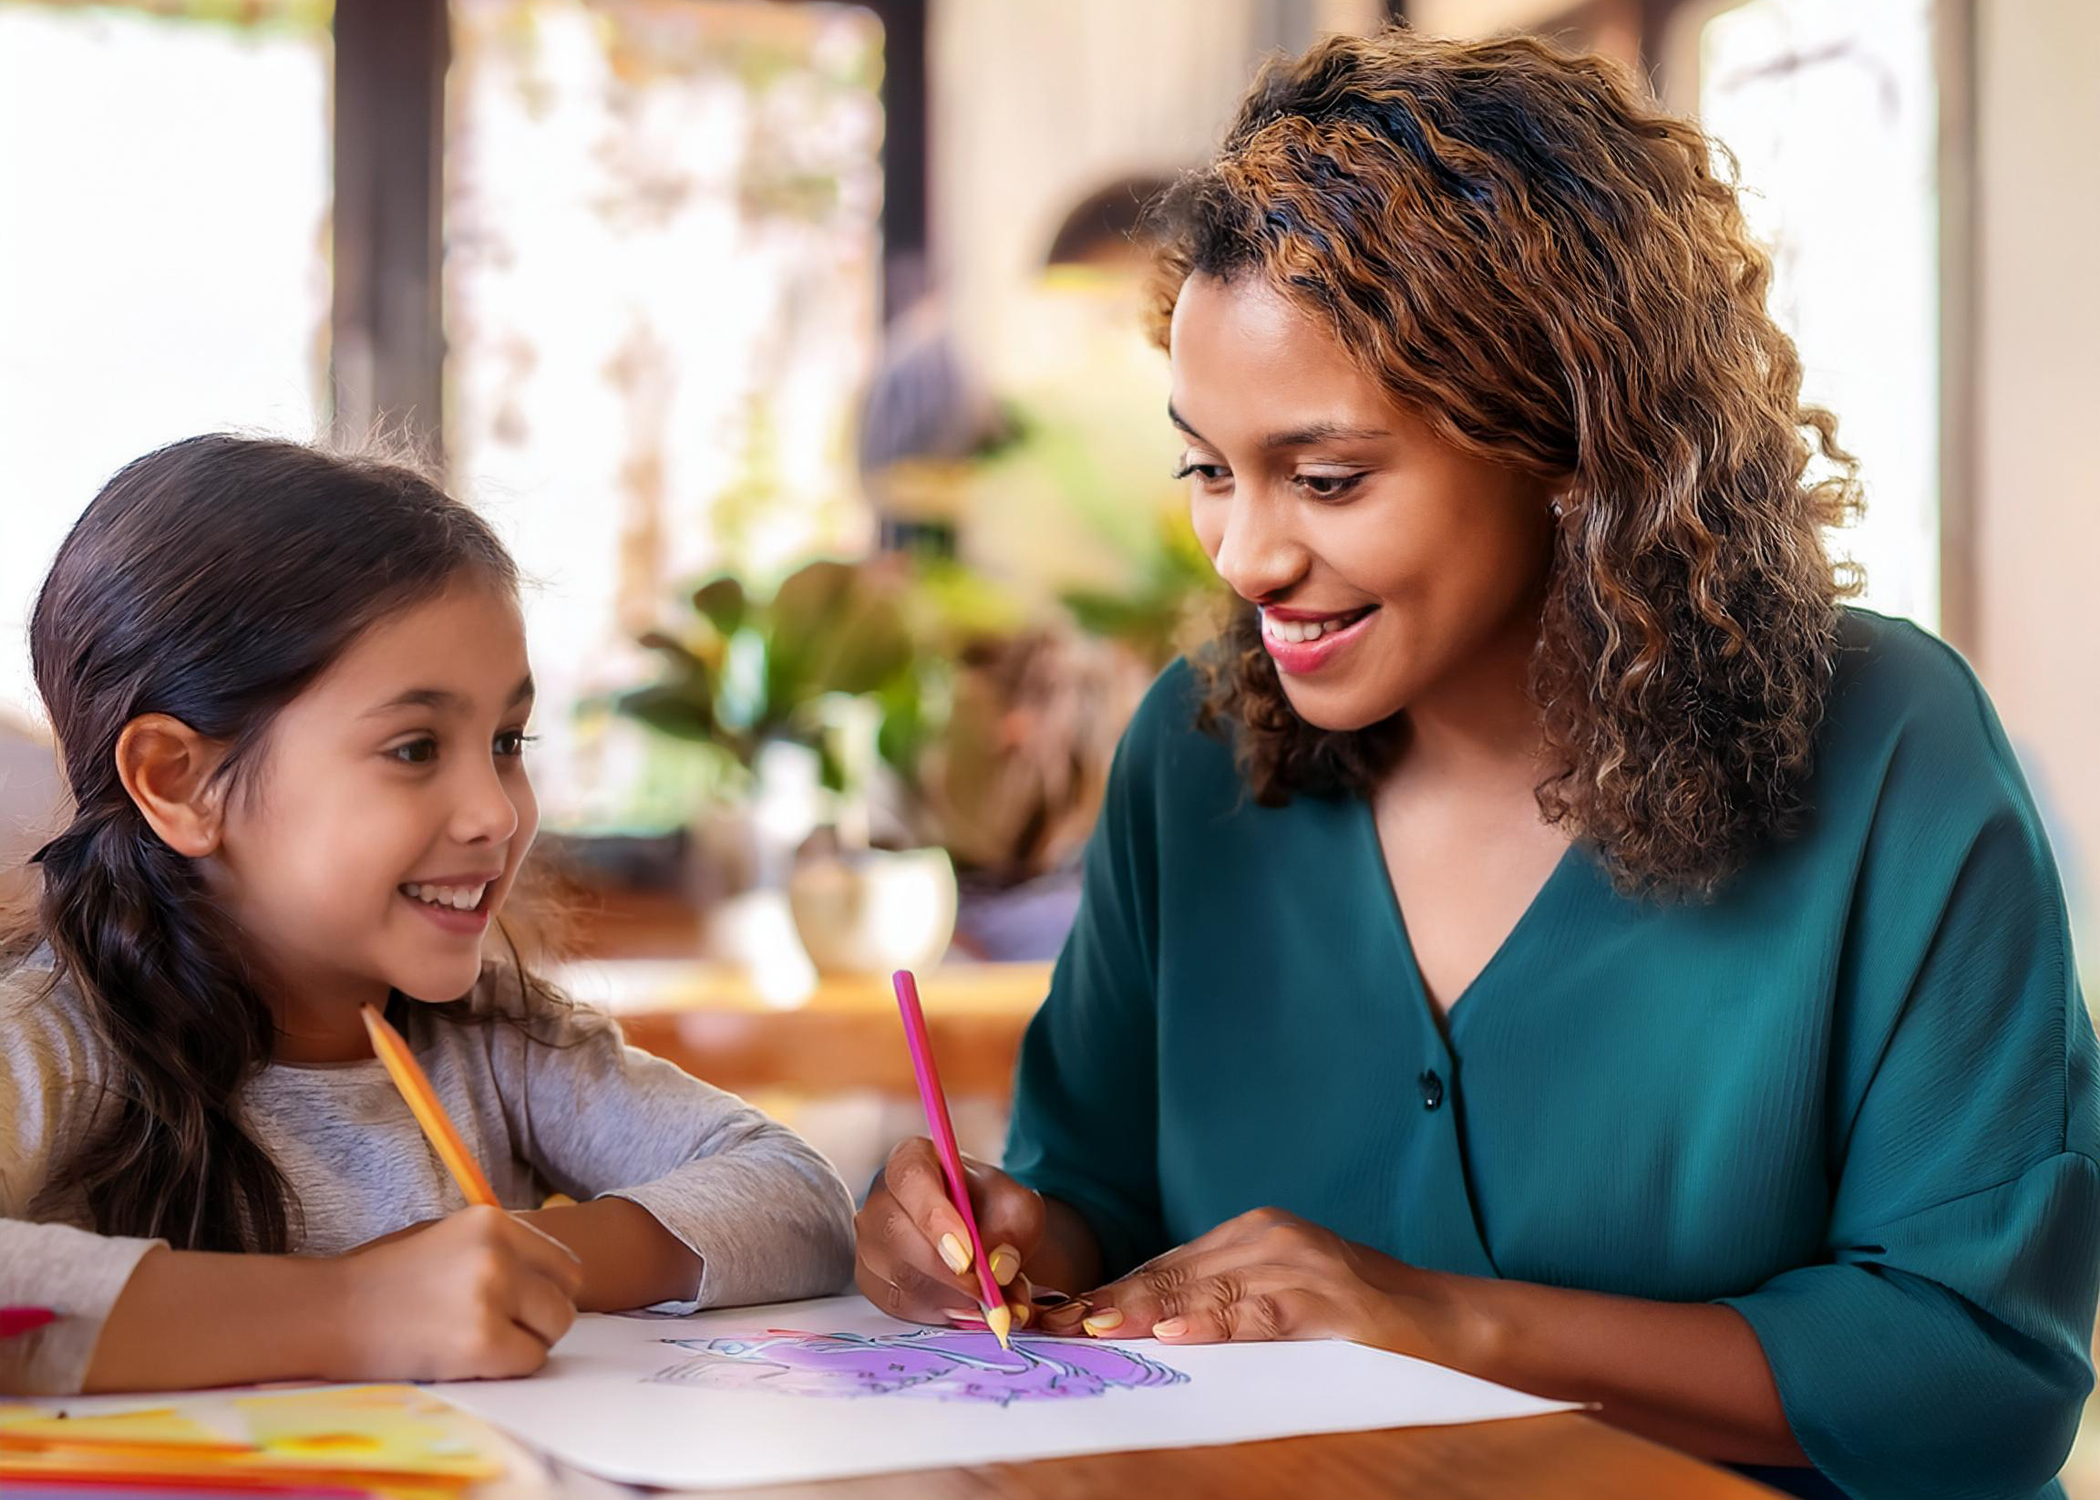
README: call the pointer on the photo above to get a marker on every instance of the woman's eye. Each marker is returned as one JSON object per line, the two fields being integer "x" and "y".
{"x": 1210, "y": 474}
{"x": 416, "y": 752}
{"x": 1328, "y": 486}
{"x": 512, "y": 742}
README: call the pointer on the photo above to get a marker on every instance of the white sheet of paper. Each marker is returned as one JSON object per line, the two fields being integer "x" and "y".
{"x": 619, "y": 1400}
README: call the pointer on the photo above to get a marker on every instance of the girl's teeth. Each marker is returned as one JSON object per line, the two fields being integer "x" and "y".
{"x": 459, "y": 897}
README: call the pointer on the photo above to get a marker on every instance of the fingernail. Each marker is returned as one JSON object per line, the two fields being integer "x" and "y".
{"x": 1022, "y": 1313}
{"x": 1105, "y": 1321}
{"x": 956, "y": 1253}
{"x": 1006, "y": 1260}
{"x": 1170, "y": 1328}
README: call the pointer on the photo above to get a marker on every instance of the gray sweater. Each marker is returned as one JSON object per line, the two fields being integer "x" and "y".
{"x": 590, "y": 1117}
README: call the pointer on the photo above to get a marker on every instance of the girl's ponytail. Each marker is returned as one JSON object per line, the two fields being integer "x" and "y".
{"x": 133, "y": 929}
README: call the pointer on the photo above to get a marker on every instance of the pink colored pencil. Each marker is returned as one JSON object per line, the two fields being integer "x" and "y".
{"x": 996, "y": 1315}
{"x": 14, "y": 1320}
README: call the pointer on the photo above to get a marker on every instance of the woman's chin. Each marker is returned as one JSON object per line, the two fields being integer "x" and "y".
{"x": 1335, "y": 708}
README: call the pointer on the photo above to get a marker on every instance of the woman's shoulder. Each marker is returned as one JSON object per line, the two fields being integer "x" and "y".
{"x": 1901, "y": 698}
{"x": 1898, "y": 669}
{"x": 1168, "y": 732}
{"x": 1907, "y": 713}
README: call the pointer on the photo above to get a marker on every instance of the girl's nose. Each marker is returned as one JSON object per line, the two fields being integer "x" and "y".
{"x": 486, "y": 814}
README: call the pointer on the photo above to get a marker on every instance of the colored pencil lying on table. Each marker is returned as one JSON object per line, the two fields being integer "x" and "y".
{"x": 996, "y": 1316}
{"x": 414, "y": 1085}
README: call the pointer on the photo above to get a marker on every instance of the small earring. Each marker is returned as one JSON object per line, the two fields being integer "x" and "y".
{"x": 1558, "y": 508}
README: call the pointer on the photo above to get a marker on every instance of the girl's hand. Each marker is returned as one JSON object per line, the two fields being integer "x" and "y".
{"x": 912, "y": 1251}
{"x": 478, "y": 1294}
{"x": 1264, "y": 1275}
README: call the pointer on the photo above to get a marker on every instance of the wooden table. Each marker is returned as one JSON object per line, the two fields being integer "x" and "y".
{"x": 1562, "y": 1457}
{"x": 840, "y": 1035}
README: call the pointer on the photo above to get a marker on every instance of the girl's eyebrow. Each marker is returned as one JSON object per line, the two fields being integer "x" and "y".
{"x": 444, "y": 700}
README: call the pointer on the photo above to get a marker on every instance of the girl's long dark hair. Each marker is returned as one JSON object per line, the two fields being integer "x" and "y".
{"x": 211, "y": 581}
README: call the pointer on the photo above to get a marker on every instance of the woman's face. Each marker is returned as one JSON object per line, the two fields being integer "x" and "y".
{"x": 1385, "y": 561}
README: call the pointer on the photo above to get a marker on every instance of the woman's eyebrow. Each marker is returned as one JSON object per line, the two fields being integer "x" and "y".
{"x": 444, "y": 700}
{"x": 1292, "y": 437}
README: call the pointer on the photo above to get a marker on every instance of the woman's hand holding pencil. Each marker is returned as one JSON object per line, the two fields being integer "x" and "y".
{"x": 915, "y": 1261}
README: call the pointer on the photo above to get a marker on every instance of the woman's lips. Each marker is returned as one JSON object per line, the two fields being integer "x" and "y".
{"x": 1299, "y": 658}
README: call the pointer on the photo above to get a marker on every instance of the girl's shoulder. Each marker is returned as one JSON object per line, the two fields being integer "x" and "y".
{"x": 45, "y": 1023}
{"x": 53, "y": 1072}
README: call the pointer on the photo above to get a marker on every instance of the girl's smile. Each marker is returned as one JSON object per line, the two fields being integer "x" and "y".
{"x": 459, "y": 903}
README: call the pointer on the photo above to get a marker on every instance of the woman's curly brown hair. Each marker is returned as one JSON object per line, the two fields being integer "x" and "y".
{"x": 1551, "y": 272}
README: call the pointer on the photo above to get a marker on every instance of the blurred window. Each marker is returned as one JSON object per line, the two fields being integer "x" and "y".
{"x": 164, "y": 266}
{"x": 1832, "y": 111}
{"x": 661, "y": 298}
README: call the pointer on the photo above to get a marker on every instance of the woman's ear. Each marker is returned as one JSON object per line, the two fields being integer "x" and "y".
{"x": 167, "y": 768}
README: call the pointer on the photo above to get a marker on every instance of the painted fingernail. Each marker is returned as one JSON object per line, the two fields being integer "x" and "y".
{"x": 956, "y": 1253}
{"x": 1105, "y": 1321}
{"x": 1170, "y": 1328}
{"x": 1022, "y": 1313}
{"x": 1006, "y": 1260}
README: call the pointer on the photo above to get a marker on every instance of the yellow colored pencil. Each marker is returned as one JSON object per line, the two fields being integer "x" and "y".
{"x": 409, "y": 1077}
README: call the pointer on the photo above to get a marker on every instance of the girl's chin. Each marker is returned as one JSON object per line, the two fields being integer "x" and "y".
{"x": 435, "y": 987}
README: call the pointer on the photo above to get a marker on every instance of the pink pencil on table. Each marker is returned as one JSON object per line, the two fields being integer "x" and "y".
{"x": 996, "y": 1316}
{"x": 14, "y": 1320}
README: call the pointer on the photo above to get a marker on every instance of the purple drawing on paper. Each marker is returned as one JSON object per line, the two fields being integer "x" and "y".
{"x": 938, "y": 1364}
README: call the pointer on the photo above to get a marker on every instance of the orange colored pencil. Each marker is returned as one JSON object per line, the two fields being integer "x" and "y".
{"x": 408, "y": 1076}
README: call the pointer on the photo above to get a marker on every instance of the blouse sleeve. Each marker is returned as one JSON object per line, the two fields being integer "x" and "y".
{"x": 1086, "y": 1094}
{"x": 1942, "y": 1347}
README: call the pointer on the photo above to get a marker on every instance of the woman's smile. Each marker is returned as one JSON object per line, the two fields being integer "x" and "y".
{"x": 1304, "y": 641}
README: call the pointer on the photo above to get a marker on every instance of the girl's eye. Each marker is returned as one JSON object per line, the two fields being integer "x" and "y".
{"x": 1210, "y": 474}
{"x": 512, "y": 742}
{"x": 416, "y": 752}
{"x": 1328, "y": 486}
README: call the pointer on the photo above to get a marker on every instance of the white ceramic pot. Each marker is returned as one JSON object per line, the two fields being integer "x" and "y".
{"x": 871, "y": 911}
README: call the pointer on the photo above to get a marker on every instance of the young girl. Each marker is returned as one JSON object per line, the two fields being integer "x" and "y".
{"x": 291, "y": 694}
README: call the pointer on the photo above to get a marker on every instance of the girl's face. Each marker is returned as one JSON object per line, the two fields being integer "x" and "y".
{"x": 392, "y": 808}
{"x": 1385, "y": 561}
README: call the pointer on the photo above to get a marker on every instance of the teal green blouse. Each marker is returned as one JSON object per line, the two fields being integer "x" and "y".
{"x": 1853, "y": 1097}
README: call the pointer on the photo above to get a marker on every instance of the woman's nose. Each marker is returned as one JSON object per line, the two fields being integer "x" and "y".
{"x": 1256, "y": 555}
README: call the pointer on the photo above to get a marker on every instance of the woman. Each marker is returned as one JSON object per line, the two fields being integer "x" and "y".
{"x": 1547, "y": 933}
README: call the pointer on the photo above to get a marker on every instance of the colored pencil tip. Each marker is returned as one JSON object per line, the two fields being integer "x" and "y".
{"x": 1000, "y": 1319}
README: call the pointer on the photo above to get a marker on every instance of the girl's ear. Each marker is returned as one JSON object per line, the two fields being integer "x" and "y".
{"x": 167, "y": 768}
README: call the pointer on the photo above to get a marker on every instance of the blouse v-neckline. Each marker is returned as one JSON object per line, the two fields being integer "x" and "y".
{"x": 1506, "y": 954}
